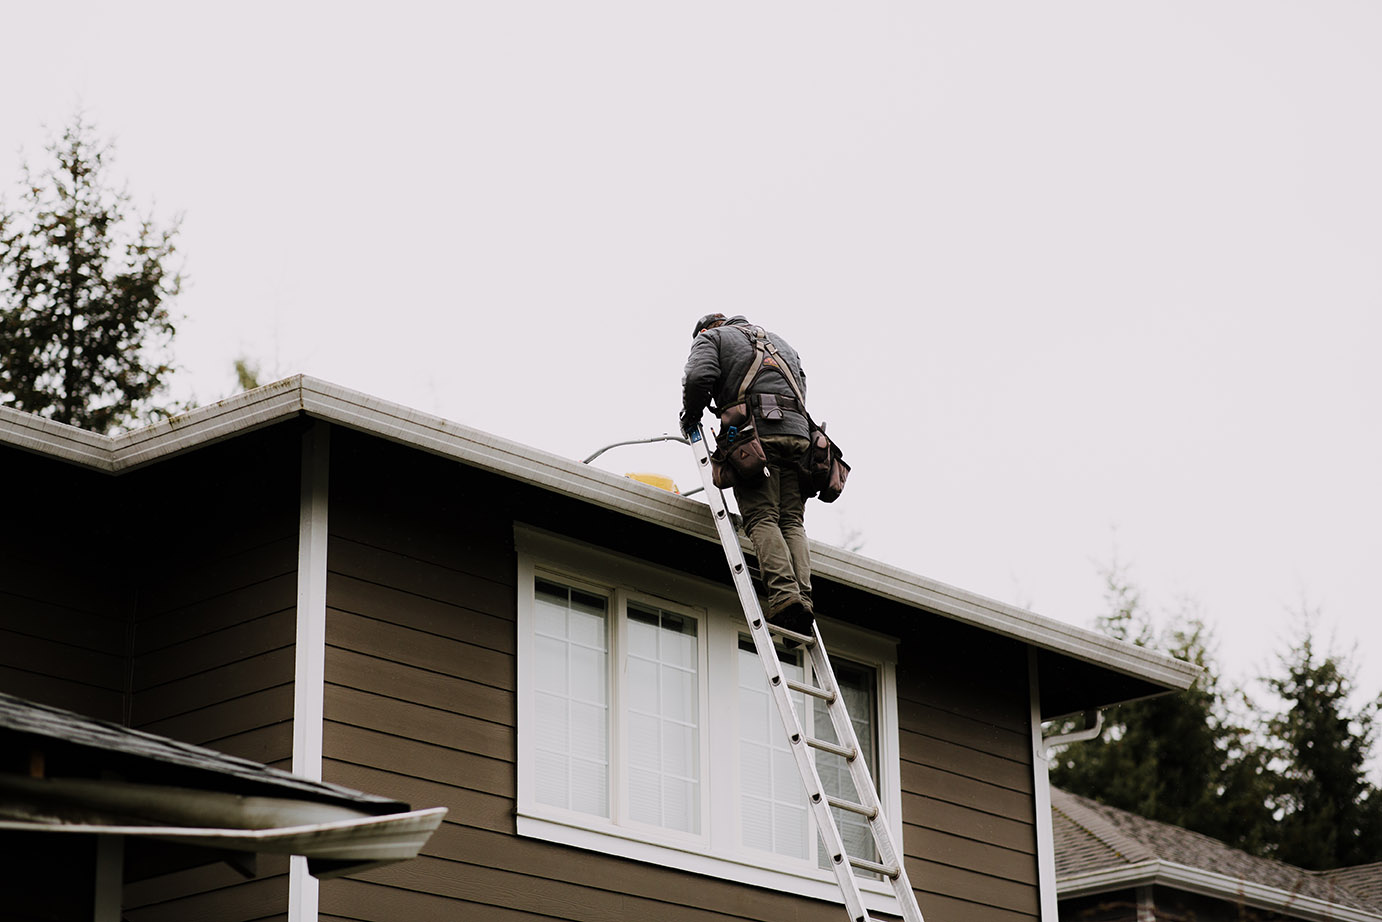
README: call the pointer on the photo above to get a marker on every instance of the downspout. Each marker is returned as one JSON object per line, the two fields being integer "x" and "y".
{"x": 1041, "y": 764}
{"x": 1094, "y": 725}
{"x": 309, "y": 675}
{"x": 1041, "y": 790}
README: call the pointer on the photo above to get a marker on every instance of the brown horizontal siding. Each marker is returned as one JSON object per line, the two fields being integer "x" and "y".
{"x": 944, "y": 817}
{"x": 420, "y": 613}
{"x": 246, "y": 602}
{"x": 228, "y": 718}
{"x": 455, "y": 767}
{"x": 27, "y": 611}
{"x": 242, "y": 901}
{"x": 406, "y": 682}
{"x": 440, "y": 727}
{"x": 365, "y": 901}
{"x": 212, "y": 686}
{"x": 966, "y": 773}
{"x": 213, "y": 663}
{"x": 103, "y": 670}
{"x": 490, "y": 593}
{"x": 431, "y": 652}
{"x": 465, "y": 807}
{"x": 938, "y": 722}
{"x": 205, "y": 578}
{"x": 245, "y": 640}
{"x": 551, "y": 882}
{"x": 101, "y": 703}
{"x": 64, "y": 630}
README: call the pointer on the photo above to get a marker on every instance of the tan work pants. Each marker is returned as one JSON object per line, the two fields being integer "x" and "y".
{"x": 773, "y": 512}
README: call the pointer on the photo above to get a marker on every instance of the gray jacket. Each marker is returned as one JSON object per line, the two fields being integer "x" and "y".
{"x": 716, "y": 367}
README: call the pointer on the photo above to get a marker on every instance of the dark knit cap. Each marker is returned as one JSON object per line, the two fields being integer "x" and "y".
{"x": 709, "y": 320}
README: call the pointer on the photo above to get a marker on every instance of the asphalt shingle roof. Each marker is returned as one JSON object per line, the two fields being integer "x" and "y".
{"x": 29, "y": 718}
{"x": 1090, "y": 836}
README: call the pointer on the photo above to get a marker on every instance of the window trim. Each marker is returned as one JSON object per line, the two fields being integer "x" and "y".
{"x": 717, "y": 850}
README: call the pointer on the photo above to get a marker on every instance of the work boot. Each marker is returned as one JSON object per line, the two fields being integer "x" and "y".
{"x": 794, "y": 616}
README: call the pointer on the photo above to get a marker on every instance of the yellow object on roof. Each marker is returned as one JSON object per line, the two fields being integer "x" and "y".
{"x": 661, "y": 481}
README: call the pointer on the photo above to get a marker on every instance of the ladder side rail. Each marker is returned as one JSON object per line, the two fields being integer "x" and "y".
{"x": 777, "y": 685}
{"x": 890, "y": 855}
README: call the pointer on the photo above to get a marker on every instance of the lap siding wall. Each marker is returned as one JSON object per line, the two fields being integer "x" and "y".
{"x": 421, "y": 705}
{"x": 212, "y": 656}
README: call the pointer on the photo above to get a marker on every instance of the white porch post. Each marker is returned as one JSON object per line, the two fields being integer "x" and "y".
{"x": 309, "y": 677}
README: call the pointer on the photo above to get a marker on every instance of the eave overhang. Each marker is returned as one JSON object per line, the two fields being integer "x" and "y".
{"x": 302, "y": 395}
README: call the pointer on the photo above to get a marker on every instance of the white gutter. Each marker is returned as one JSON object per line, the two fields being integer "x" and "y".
{"x": 370, "y": 840}
{"x": 276, "y": 825}
{"x": 322, "y": 400}
{"x": 1211, "y": 884}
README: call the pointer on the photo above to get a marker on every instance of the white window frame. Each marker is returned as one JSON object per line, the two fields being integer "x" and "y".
{"x": 716, "y": 849}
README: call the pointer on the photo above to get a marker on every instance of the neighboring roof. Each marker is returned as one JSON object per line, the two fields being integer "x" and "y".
{"x": 1363, "y": 881}
{"x": 1101, "y": 848}
{"x": 302, "y": 395}
{"x": 33, "y": 719}
{"x": 176, "y": 792}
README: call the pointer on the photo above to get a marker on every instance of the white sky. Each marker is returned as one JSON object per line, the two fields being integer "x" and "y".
{"x": 1057, "y": 270}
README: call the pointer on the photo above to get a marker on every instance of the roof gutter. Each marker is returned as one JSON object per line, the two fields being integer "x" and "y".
{"x": 341, "y": 840}
{"x": 1211, "y": 884}
{"x": 301, "y": 394}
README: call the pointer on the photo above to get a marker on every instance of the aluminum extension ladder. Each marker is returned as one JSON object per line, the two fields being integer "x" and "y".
{"x": 890, "y": 866}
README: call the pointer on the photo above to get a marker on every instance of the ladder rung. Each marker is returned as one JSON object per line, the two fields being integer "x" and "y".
{"x": 852, "y": 807}
{"x": 823, "y": 694}
{"x": 865, "y": 865}
{"x": 823, "y": 746}
{"x": 805, "y": 639}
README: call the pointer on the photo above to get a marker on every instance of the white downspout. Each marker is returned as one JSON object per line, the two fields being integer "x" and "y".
{"x": 1041, "y": 788}
{"x": 309, "y": 677}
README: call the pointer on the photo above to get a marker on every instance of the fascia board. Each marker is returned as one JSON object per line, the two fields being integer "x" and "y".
{"x": 55, "y": 440}
{"x": 426, "y": 432}
{"x": 1208, "y": 883}
{"x": 205, "y": 425}
{"x": 999, "y": 618}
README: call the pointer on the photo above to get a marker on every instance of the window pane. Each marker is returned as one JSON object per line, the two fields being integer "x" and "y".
{"x": 858, "y": 687}
{"x": 571, "y": 708}
{"x": 662, "y": 695}
{"x": 772, "y": 807}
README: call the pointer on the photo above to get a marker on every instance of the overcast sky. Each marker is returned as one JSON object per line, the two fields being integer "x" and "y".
{"x": 1064, "y": 275}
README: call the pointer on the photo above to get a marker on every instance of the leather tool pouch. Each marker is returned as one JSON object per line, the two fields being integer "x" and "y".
{"x": 738, "y": 459}
{"x": 823, "y": 467}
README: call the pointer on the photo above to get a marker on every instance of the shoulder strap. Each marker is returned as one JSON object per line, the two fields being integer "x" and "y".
{"x": 780, "y": 363}
{"x": 763, "y": 347}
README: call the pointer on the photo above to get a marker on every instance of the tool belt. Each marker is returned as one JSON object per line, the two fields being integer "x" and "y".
{"x": 739, "y": 459}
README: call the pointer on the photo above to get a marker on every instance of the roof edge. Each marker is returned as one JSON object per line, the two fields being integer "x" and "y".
{"x": 302, "y": 394}
{"x": 1211, "y": 884}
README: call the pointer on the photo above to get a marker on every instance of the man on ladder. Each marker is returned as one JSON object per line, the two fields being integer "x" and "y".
{"x": 759, "y": 394}
{"x": 754, "y": 379}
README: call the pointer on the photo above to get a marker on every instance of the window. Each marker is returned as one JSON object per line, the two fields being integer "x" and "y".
{"x": 645, "y": 726}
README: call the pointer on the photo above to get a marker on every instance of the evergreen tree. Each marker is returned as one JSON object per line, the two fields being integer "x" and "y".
{"x": 84, "y": 289}
{"x": 1179, "y": 759}
{"x": 1330, "y": 814}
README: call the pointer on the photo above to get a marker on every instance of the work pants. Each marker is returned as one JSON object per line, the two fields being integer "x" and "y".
{"x": 773, "y": 512}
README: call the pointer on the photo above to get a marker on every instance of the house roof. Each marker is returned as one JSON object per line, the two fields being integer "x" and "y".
{"x": 93, "y": 777}
{"x": 204, "y": 767}
{"x": 318, "y": 399}
{"x": 1363, "y": 881}
{"x": 1101, "y": 848}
